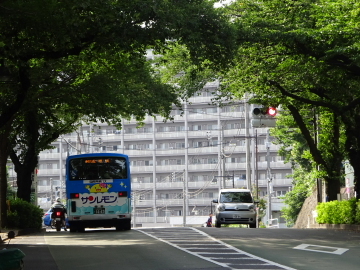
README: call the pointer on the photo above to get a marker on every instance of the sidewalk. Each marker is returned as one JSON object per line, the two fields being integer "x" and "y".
{"x": 4, "y": 234}
{"x": 32, "y": 243}
{"x": 18, "y": 232}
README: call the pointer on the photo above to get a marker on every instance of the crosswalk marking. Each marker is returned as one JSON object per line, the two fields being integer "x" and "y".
{"x": 202, "y": 245}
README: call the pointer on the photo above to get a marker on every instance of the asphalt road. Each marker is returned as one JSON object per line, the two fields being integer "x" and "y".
{"x": 184, "y": 248}
{"x": 319, "y": 249}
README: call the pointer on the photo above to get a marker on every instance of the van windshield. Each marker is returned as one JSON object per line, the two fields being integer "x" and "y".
{"x": 236, "y": 197}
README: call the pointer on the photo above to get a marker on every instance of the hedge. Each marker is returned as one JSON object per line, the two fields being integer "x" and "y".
{"x": 339, "y": 212}
{"x": 24, "y": 215}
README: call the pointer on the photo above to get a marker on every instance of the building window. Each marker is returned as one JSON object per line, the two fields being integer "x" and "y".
{"x": 148, "y": 162}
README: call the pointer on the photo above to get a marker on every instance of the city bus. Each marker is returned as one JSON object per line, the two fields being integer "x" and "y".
{"x": 98, "y": 191}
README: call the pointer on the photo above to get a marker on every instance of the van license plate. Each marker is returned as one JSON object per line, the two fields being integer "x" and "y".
{"x": 99, "y": 210}
{"x": 236, "y": 216}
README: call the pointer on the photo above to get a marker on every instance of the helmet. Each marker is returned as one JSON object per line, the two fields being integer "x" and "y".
{"x": 58, "y": 199}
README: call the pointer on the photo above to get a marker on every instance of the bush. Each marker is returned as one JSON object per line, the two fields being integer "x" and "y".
{"x": 338, "y": 212}
{"x": 357, "y": 212}
{"x": 24, "y": 215}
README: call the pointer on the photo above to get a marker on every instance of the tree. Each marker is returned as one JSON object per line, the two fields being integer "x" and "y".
{"x": 90, "y": 61}
{"x": 294, "y": 149}
{"x": 304, "y": 56}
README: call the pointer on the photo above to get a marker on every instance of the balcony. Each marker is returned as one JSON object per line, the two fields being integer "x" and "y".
{"x": 277, "y": 182}
{"x": 170, "y": 135}
{"x": 51, "y": 156}
{"x": 176, "y": 185}
{"x": 173, "y": 202}
{"x": 50, "y": 172}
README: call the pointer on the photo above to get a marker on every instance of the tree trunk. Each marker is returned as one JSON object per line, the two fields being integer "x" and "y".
{"x": 332, "y": 188}
{"x": 26, "y": 164}
{"x": 24, "y": 181}
{"x": 4, "y": 151}
{"x": 25, "y": 172}
{"x": 352, "y": 145}
{"x": 355, "y": 163}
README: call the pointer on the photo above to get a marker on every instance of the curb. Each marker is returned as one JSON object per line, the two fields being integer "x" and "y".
{"x": 18, "y": 232}
{"x": 349, "y": 227}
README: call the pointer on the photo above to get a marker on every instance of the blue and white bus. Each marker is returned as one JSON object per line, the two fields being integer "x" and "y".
{"x": 98, "y": 191}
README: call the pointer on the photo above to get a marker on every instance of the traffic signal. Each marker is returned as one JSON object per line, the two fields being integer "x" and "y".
{"x": 265, "y": 111}
{"x": 264, "y": 117}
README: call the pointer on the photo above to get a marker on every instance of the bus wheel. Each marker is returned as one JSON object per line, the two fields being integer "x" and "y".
{"x": 127, "y": 226}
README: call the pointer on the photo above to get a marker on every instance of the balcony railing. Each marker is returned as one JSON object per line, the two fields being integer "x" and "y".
{"x": 174, "y": 202}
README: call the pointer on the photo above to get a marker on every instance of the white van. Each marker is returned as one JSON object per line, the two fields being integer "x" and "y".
{"x": 235, "y": 206}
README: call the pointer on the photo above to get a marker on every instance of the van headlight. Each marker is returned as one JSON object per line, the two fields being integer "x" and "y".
{"x": 252, "y": 208}
{"x": 221, "y": 207}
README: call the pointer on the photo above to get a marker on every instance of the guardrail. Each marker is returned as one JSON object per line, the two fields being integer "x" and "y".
{"x": 270, "y": 223}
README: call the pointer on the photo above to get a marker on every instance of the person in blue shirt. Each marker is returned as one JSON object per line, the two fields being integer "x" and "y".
{"x": 209, "y": 221}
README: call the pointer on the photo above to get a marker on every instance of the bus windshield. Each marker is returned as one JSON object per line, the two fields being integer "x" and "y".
{"x": 93, "y": 168}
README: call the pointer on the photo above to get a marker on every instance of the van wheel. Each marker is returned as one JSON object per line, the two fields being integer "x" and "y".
{"x": 217, "y": 224}
{"x": 252, "y": 225}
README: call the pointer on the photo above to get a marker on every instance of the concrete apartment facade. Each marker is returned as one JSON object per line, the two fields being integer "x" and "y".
{"x": 179, "y": 164}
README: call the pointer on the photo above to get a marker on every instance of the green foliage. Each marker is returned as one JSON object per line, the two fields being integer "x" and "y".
{"x": 262, "y": 208}
{"x": 90, "y": 62}
{"x": 10, "y": 194}
{"x": 23, "y": 215}
{"x": 303, "y": 186}
{"x": 357, "y": 213}
{"x": 338, "y": 212}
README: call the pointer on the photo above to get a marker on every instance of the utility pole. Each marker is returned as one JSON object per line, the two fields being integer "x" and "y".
{"x": 269, "y": 179}
{"x": 186, "y": 170}
{"x": 62, "y": 183}
{"x": 184, "y": 202}
{"x": 220, "y": 171}
{"x": 247, "y": 135}
{"x": 154, "y": 166}
{"x": 134, "y": 210}
{"x": 51, "y": 190}
{"x": 256, "y": 165}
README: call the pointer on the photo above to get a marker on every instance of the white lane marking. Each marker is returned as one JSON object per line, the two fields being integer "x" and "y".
{"x": 248, "y": 254}
{"x": 198, "y": 254}
{"x": 183, "y": 249}
{"x": 323, "y": 249}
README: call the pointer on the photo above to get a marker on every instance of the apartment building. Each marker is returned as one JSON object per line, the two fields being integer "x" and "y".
{"x": 179, "y": 164}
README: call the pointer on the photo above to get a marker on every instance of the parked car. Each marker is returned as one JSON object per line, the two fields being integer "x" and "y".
{"x": 47, "y": 219}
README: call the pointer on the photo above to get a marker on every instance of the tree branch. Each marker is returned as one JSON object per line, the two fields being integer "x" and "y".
{"x": 310, "y": 141}
{"x": 302, "y": 99}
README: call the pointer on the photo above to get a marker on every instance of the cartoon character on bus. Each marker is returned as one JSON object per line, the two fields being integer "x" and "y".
{"x": 101, "y": 187}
